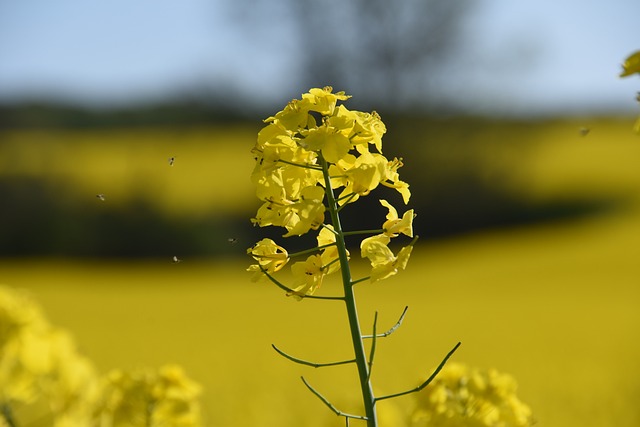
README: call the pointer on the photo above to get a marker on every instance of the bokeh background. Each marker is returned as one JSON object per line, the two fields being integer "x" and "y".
{"x": 125, "y": 137}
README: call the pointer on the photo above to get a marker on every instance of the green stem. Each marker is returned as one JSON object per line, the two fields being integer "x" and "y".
{"x": 350, "y": 302}
{"x": 353, "y": 233}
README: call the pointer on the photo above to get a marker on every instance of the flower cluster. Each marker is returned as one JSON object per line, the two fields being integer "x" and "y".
{"x": 44, "y": 380}
{"x": 41, "y": 372}
{"x": 306, "y": 151}
{"x": 461, "y": 395}
{"x": 144, "y": 397}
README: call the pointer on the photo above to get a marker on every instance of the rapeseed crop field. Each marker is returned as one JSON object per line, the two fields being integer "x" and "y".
{"x": 554, "y": 304}
{"x": 124, "y": 164}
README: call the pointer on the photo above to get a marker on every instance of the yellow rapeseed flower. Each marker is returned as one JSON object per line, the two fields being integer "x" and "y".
{"x": 359, "y": 175}
{"x": 149, "y": 398}
{"x": 311, "y": 140}
{"x": 384, "y": 263}
{"x": 394, "y": 226}
{"x": 368, "y": 129}
{"x": 323, "y": 100}
{"x": 465, "y": 396}
{"x": 329, "y": 141}
{"x": 308, "y": 276}
{"x": 391, "y": 179}
{"x": 308, "y": 211}
{"x": 270, "y": 257}
{"x": 329, "y": 254}
{"x": 40, "y": 368}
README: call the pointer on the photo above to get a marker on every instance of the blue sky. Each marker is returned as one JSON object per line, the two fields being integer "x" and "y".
{"x": 517, "y": 55}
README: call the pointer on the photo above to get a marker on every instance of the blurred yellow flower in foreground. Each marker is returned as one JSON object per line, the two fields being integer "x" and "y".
{"x": 41, "y": 372}
{"x": 149, "y": 398}
{"x": 464, "y": 396}
{"x": 45, "y": 381}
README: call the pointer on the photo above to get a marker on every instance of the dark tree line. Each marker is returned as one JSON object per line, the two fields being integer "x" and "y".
{"x": 384, "y": 52}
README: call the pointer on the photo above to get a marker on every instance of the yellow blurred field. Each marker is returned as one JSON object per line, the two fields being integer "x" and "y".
{"x": 555, "y": 305}
{"x": 210, "y": 168}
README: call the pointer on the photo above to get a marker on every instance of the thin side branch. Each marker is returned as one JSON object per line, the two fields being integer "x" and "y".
{"x": 326, "y": 266}
{"x": 330, "y": 405}
{"x": 313, "y": 364}
{"x": 427, "y": 382}
{"x": 311, "y": 250}
{"x": 372, "y": 352}
{"x": 393, "y": 328}
{"x": 356, "y": 232}
{"x": 301, "y": 165}
{"x": 353, "y": 282}
{"x": 348, "y": 199}
{"x": 293, "y": 292}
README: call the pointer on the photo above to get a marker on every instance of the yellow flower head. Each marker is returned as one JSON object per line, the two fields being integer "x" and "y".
{"x": 384, "y": 263}
{"x": 323, "y": 100}
{"x": 308, "y": 211}
{"x": 368, "y": 129}
{"x": 332, "y": 144}
{"x": 394, "y": 226}
{"x": 392, "y": 179}
{"x": 312, "y": 141}
{"x": 308, "y": 276}
{"x": 359, "y": 175}
{"x": 270, "y": 257}
{"x": 329, "y": 254}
